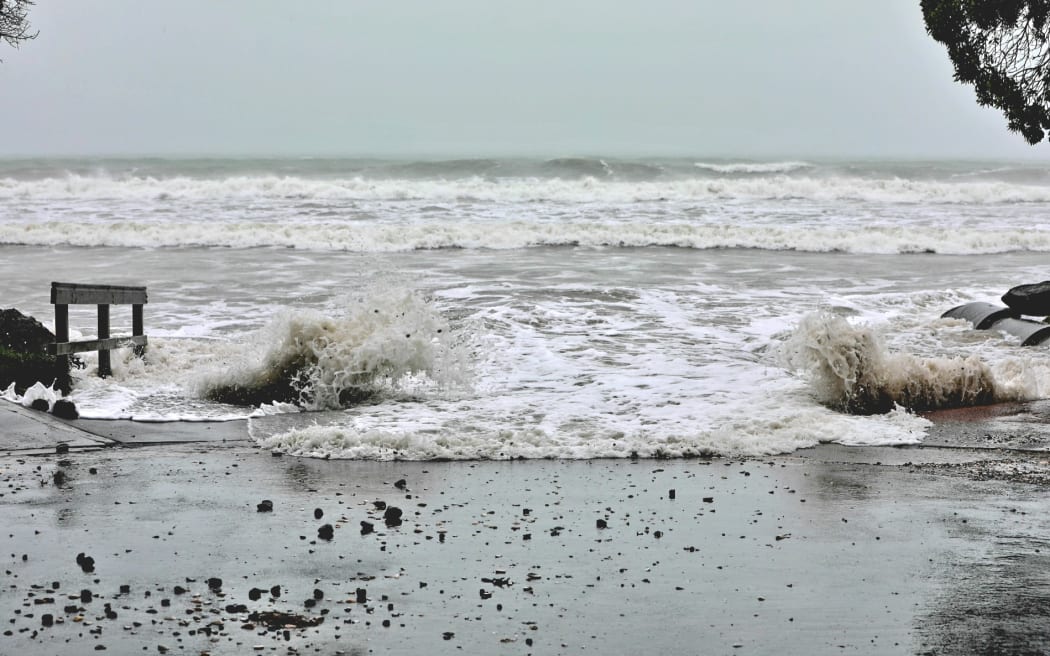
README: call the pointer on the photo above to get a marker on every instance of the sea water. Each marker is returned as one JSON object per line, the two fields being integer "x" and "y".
{"x": 568, "y": 308}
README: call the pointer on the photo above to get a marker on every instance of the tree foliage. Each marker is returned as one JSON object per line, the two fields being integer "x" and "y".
{"x": 1001, "y": 47}
{"x": 14, "y": 26}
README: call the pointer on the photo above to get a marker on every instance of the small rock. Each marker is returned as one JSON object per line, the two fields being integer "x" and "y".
{"x": 380, "y": 505}
{"x": 392, "y": 516}
{"x": 367, "y": 527}
{"x": 85, "y": 596}
{"x": 318, "y": 513}
{"x": 601, "y": 523}
{"x": 264, "y": 506}
{"x": 275, "y": 591}
{"x": 214, "y": 584}
{"x": 47, "y": 619}
{"x": 326, "y": 532}
{"x": 40, "y": 404}
{"x": 401, "y": 484}
{"x": 362, "y": 595}
{"x": 65, "y": 409}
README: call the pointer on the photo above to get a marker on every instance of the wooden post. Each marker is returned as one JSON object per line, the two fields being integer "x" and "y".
{"x": 62, "y": 335}
{"x": 137, "y": 327}
{"x": 103, "y": 332}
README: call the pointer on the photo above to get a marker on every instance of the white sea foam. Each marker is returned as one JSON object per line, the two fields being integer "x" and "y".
{"x": 754, "y": 167}
{"x": 586, "y": 189}
{"x": 511, "y": 234}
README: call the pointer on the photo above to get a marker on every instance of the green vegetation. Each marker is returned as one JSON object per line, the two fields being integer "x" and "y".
{"x": 1001, "y": 48}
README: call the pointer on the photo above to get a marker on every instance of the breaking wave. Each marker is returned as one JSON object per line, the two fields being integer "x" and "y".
{"x": 382, "y": 237}
{"x": 754, "y": 167}
{"x": 851, "y": 370}
{"x": 578, "y": 184}
{"x": 385, "y": 344}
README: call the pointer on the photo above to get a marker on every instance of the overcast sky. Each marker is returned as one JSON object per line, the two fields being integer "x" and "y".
{"x": 761, "y": 78}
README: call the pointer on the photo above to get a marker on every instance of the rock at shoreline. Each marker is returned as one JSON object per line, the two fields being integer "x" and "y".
{"x": 1033, "y": 299}
{"x": 23, "y": 354}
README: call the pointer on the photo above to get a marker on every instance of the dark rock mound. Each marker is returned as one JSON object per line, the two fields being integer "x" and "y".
{"x": 274, "y": 620}
{"x": 65, "y": 409}
{"x": 1033, "y": 299}
{"x": 23, "y": 354}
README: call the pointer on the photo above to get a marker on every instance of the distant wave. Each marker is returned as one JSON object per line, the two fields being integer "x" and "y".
{"x": 597, "y": 188}
{"x": 389, "y": 237}
{"x": 754, "y": 167}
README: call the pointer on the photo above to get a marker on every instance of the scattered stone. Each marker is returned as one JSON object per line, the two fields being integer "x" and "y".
{"x": 236, "y": 608}
{"x": 178, "y": 589}
{"x": 85, "y": 596}
{"x": 326, "y": 532}
{"x": 380, "y": 505}
{"x": 87, "y": 563}
{"x": 59, "y": 478}
{"x": 401, "y": 484}
{"x": 255, "y": 594}
{"x": 318, "y": 594}
{"x": 47, "y": 619}
{"x": 214, "y": 584}
{"x": 601, "y": 523}
{"x": 670, "y": 494}
{"x": 125, "y": 589}
{"x": 62, "y": 448}
{"x": 275, "y": 591}
{"x": 65, "y": 409}
{"x": 264, "y": 506}
{"x": 40, "y": 404}
{"x": 362, "y": 595}
{"x": 448, "y": 635}
{"x": 392, "y": 516}
{"x": 367, "y": 527}
{"x": 318, "y": 513}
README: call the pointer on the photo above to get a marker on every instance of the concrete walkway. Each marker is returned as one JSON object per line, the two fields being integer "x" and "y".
{"x": 29, "y": 432}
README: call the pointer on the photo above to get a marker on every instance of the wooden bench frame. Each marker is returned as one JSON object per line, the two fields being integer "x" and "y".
{"x": 64, "y": 294}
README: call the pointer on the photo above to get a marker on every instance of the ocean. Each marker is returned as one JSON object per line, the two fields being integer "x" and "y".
{"x": 526, "y": 308}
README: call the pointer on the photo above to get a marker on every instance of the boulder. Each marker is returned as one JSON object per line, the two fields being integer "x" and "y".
{"x": 23, "y": 354}
{"x": 1033, "y": 299}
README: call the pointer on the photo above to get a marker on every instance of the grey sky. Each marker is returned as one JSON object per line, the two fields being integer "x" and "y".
{"x": 460, "y": 77}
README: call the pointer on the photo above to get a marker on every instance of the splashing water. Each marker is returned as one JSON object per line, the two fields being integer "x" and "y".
{"x": 390, "y": 342}
{"x": 851, "y": 370}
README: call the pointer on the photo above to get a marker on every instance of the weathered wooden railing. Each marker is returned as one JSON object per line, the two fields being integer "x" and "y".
{"x": 64, "y": 294}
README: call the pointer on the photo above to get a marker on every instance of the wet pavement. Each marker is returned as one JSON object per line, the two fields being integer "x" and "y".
{"x": 171, "y": 549}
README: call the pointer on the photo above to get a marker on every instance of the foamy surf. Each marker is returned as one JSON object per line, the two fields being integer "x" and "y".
{"x": 385, "y": 343}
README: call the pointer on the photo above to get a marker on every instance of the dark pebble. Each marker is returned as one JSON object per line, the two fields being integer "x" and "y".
{"x": 264, "y": 506}
{"x": 255, "y": 594}
{"x": 326, "y": 532}
{"x": 601, "y": 523}
{"x": 125, "y": 589}
{"x": 401, "y": 484}
{"x": 310, "y": 603}
{"x": 380, "y": 505}
{"x": 318, "y": 513}
{"x": 318, "y": 594}
{"x": 275, "y": 591}
{"x": 367, "y": 527}
{"x": 709, "y": 499}
{"x": 93, "y": 470}
{"x": 62, "y": 448}
{"x": 236, "y": 608}
{"x": 362, "y": 595}
{"x": 179, "y": 590}
{"x": 85, "y": 596}
{"x": 670, "y": 494}
{"x": 392, "y": 516}
{"x": 47, "y": 619}
{"x": 448, "y": 635}
{"x": 214, "y": 583}
{"x": 40, "y": 404}
{"x": 60, "y": 477}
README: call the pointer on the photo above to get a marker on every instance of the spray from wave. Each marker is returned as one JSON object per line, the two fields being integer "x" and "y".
{"x": 851, "y": 370}
{"x": 393, "y": 342}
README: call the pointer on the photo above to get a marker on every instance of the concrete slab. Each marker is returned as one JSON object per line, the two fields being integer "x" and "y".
{"x": 135, "y": 433}
{"x": 24, "y": 430}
